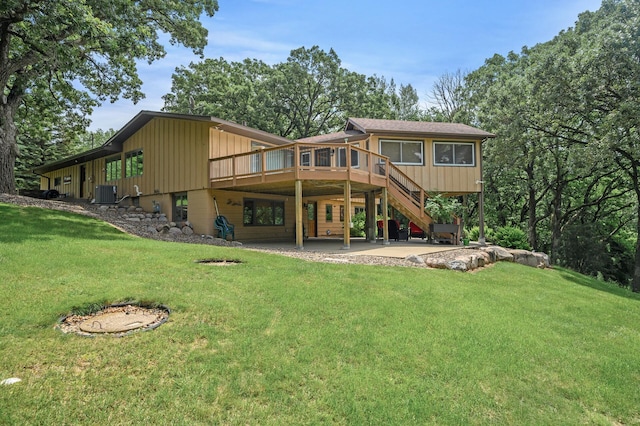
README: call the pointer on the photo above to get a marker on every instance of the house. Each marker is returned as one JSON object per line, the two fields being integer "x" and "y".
{"x": 271, "y": 188}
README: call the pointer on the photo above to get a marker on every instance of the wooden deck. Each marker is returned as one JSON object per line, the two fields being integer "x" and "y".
{"x": 319, "y": 170}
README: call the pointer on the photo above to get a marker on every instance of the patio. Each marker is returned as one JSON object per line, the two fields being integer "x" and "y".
{"x": 360, "y": 247}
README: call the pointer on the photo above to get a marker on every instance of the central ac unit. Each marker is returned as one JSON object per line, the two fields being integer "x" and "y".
{"x": 106, "y": 194}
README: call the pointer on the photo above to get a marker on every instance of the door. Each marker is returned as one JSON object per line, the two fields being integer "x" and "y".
{"x": 312, "y": 220}
{"x": 83, "y": 180}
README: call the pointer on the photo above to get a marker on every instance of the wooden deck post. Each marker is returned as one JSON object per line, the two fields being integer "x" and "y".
{"x": 347, "y": 215}
{"x": 385, "y": 217}
{"x": 370, "y": 208}
{"x": 299, "y": 229}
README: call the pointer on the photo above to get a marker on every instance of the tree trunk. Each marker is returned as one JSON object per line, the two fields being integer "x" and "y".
{"x": 532, "y": 233}
{"x": 8, "y": 150}
{"x": 635, "y": 284}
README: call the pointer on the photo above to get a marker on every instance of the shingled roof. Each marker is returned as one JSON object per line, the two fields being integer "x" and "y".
{"x": 338, "y": 137}
{"x": 372, "y": 125}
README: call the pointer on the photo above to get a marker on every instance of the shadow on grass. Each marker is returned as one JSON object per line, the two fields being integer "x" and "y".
{"x": 20, "y": 224}
{"x": 586, "y": 281}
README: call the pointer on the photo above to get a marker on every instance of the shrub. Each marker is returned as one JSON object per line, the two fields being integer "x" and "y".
{"x": 359, "y": 223}
{"x": 511, "y": 237}
{"x": 474, "y": 233}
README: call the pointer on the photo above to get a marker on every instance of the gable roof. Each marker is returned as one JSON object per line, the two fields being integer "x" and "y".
{"x": 114, "y": 144}
{"x": 341, "y": 137}
{"x": 457, "y": 130}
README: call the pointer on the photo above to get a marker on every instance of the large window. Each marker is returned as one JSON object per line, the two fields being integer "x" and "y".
{"x": 403, "y": 152}
{"x": 133, "y": 163}
{"x": 454, "y": 154}
{"x": 113, "y": 168}
{"x": 263, "y": 212}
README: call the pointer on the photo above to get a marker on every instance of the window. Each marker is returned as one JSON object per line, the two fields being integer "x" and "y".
{"x": 113, "y": 168}
{"x": 133, "y": 163}
{"x": 305, "y": 159}
{"x": 359, "y": 210}
{"x": 403, "y": 152}
{"x": 454, "y": 154}
{"x": 263, "y": 213}
{"x": 341, "y": 213}
{"x": 323, "y": 157}
{"x": 329, "y": 213}
{"x": 180, "y": 207}
{"x": 57, "y": 181}
{"x": 342, "y": 158}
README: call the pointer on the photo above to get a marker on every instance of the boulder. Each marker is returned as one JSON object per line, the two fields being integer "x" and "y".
{"x": 501, "y": 254}
{"x": 434, "y": 262}
{"x": 175, "y": 231}
{"x": 414, "y": 258}
{"x": 458, "y": 264}
{"x": 528, "y": 258}
{"x": 187, "y": 230}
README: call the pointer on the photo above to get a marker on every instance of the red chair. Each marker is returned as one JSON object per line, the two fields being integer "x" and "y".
{"x": 415, "y": 231}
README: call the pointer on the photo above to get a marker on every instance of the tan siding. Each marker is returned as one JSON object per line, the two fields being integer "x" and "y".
{"x": 230, "y": 205}
{"x": 336, "y": 227}
{"x": 439, "y": 178}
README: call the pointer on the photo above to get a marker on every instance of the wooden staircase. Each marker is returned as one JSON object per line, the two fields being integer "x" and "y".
{"x": 407, "y": 197}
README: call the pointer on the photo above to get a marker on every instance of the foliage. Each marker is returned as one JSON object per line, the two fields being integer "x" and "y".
{"x": 566, "y": 153}
{"x": 306, "y": 342}
{"x": 442, "y": 209}
{"x": 309, "y": 94}
{"x": 588, "y": 249}
{"x": 359, "y": 224}
{"x": 473, "y": 233}
{"x": 78, "y": 54}
{"x": 510, "y": 237}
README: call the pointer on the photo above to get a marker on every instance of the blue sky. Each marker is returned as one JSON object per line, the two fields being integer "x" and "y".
{"x": 412, "y": 41}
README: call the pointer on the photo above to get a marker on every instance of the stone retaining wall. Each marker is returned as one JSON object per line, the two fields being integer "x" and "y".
{"x": 484, "y": 256}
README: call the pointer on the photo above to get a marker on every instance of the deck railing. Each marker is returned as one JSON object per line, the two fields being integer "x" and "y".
{"x": 316, "y": 161}
{"x": 302, "y": 160}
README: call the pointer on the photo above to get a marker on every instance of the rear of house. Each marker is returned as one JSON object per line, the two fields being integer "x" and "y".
{"x": 193, "y": 168}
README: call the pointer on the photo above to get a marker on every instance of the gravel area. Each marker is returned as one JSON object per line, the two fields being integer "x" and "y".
{"x": 141, "y": 229}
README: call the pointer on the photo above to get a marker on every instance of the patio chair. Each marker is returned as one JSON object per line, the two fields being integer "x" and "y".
{"x": 224, "y": 228}
{"x": 415, "y": 231}
{"x": 394, "y": 230}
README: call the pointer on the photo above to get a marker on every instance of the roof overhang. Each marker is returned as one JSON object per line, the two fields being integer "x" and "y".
{"x": 114, "y": 144}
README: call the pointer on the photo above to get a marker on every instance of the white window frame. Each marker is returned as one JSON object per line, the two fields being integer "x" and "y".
{"x": 454, "y": 161}
{"x": 420, "y": 161}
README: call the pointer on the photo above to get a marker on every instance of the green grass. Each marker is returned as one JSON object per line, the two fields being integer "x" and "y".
{"x": 275, "y": 340}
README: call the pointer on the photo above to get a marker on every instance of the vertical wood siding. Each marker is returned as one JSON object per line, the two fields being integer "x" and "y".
{"x": 456, "y": 179}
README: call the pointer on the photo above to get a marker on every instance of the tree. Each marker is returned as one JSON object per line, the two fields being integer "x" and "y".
{"x": 449, "y": 99}
{"x": 84, "y": 53}
{"x": 592, "y": 74}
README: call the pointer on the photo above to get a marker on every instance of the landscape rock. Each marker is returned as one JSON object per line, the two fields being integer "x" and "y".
{"x": 458, "y": 264}
{"x": 414, "y": 258}
{"x": 501, "y": 253}
{"x": 187, "y": 230}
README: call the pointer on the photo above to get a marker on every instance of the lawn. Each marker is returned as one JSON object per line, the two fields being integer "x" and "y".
{"x": 275, "y": 340}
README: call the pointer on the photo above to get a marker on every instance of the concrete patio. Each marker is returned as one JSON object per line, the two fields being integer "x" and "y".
{"x": 360, "y": 246}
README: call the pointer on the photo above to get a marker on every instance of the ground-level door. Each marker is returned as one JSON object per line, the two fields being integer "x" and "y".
{"x": 83, "y": 180}
{"x": 312, "y": 220}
